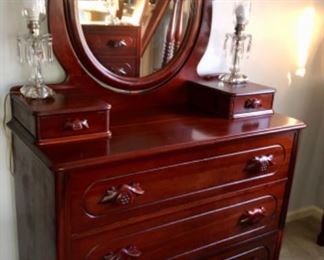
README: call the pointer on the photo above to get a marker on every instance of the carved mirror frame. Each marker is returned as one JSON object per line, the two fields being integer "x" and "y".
{"x": 76, "y": 60}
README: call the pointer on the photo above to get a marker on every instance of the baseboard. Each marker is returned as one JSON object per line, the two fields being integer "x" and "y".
{"x": 311, "y": 211}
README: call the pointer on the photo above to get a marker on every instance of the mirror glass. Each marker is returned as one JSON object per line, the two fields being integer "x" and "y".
{"x": 135, "y": 38}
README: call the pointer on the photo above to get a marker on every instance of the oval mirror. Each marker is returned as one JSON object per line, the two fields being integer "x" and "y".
{"x": 133, "y": 44}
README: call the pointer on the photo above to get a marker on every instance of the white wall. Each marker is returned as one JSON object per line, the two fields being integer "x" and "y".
{"x": 275, "y": 52}
{"x": 11, "y": 73}
{"x": 273, "y": 56}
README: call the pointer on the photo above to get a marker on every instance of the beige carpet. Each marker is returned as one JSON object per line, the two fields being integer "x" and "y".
{"x": 299, "y": 242}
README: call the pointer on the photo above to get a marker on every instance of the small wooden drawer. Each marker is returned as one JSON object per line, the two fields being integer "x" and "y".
{"x": 74, "y": 124}
{"x": 123, "y": 66}
{"x": 59, "y": 119}
{"x": 230, "y": 101}
{"x": 130, "y": 197}
{"x": 252, "y": 104}
{"x": 113, "y": 40}
{"x": 235, "y": 219}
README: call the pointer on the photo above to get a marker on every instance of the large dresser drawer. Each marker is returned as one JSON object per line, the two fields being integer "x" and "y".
{"x": 260, "y": 248}
{"x": 145, "y": 193}
{"x": 220, "y": 222}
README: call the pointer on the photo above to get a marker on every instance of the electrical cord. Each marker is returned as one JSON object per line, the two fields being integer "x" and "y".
{"x": 8, "y": 134}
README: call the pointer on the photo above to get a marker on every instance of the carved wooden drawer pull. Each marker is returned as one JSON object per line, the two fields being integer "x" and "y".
{"x": 253, "y": 216}
{"x": 117, "y": 43}
{"x": 253, "y": 103}
{"x": 123, "y": 195}
{"x": 260, "y": 164}
{"x": 120, "y": 71}
{"x": 76, "y": 124}
{"x": 129, "y": 252}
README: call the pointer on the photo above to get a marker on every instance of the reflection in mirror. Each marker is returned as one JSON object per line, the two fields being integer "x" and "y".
{"x": 134, "y": 38}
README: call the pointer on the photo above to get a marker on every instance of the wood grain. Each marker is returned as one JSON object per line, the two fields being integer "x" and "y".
{"x": 35, "y": 205}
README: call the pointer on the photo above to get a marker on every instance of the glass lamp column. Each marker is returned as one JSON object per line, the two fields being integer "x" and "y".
{"x": 35, "y": 49}
{"x": 238, "y": 40}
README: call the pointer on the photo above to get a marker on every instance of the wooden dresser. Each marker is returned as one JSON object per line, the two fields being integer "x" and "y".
{"x": 141, "y": 170}
{"x": 169, "y": 184}
{"x": 118, "y": 48}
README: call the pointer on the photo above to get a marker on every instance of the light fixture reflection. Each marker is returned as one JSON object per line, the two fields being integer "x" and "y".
{"x": 305, "y": 28}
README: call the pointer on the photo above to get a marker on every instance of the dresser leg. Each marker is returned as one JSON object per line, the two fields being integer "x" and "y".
{"x": 320, "y": 239}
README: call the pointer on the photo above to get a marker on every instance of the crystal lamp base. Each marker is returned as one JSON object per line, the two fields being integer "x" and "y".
{"x": 37, "y": 92}
{"x": 233, "y": 78}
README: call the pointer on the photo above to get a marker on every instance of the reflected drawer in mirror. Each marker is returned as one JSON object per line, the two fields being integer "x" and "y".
{"x": 113, "y": 40}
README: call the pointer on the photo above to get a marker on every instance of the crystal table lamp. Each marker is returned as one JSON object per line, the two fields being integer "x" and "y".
{"x": 35, "y": 49}
{"x": 239, "y": 39}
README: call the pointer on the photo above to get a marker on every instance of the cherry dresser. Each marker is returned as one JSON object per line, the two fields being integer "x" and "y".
{"x": 116, "y": 47}
{"x": 141, "y": 169}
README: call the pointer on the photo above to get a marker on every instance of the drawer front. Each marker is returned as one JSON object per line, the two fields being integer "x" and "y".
{"x": 73, "y": 124}
{"x": 123, "y": 66}
{"x": 253, "y": 103}
{"x": 232, "y": 220}
{"x": 113, "y": 41}
{"x": 260, "y": 248}
{"x": 136, "y": 195}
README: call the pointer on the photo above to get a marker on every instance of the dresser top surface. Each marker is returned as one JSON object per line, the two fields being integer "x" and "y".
{"x": 65, "y": 101}
{"x": 156, "y": 131}
{"x": 249, "y": 88}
